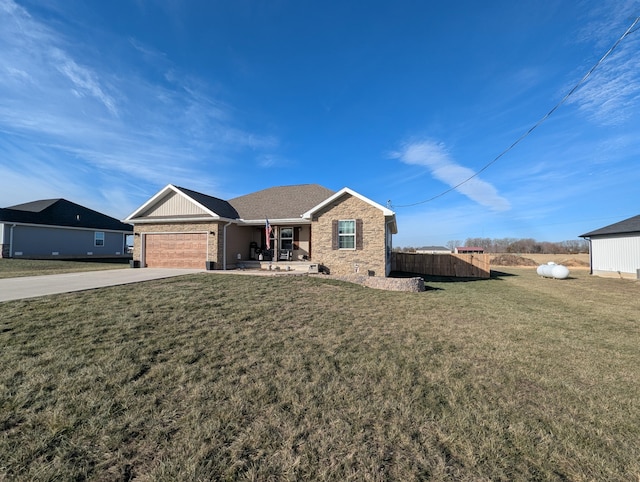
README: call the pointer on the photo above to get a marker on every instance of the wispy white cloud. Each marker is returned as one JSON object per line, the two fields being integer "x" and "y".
{"x": 91, "y": 117}
{"x": 435, "y": 156}
{"x": 273, "y": 160}
{"x": 611, "y": 94}
{"x": 84, "y": 81}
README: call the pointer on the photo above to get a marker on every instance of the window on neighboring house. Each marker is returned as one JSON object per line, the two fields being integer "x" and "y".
{"x": 347, "y": 234}
{"x": 286, "y": 238}
{"x": 98, "y": 238}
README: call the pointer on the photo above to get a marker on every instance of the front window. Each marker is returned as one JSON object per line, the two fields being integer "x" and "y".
{"x": 347, "y": 234}
{"x": 286, "y": 238}
{"x": 98, "y": 238}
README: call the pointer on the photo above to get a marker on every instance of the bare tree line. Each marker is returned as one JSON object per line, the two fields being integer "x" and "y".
{"x": 515, "y": 245}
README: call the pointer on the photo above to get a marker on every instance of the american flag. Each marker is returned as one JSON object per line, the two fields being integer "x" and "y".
{"x": 267, "y": 233}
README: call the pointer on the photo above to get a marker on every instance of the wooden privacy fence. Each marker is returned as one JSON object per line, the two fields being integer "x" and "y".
{"x": 457, "y": 265}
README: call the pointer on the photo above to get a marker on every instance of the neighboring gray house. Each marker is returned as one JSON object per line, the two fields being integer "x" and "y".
{"x": 615, "y": 249}
{"x": 60, "y": 229}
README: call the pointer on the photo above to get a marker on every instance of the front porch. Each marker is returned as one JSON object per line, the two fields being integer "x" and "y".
{"x": 287, "y": 243}
{"x": 298, "y": 267}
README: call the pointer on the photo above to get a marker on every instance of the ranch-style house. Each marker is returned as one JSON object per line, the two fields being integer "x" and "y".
{"x": 340, "y": 232}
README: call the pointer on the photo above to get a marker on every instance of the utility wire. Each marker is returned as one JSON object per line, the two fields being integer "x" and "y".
{"x": 544, "y": 118}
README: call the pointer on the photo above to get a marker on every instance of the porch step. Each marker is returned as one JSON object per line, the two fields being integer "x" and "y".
{"x": 297, "y": 266}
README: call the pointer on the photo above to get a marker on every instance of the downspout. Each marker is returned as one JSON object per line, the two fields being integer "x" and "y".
{"x": 224, "y": 245}
{"x": 11, "y": 240}
{"x": 388, "y": 248}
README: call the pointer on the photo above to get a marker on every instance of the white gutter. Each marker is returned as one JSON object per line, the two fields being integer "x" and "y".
{"x": 78, "y": 228}
{"x": 224, "y": 245}
{"x": 274, "y": 221}
{"x": 171, "y": 220}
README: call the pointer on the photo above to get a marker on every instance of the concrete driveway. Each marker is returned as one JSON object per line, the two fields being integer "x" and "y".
{"x": 32, "y": 286}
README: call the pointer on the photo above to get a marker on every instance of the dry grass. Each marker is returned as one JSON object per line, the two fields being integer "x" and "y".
{"x": 229, "y": 377}
{"x": 13, "y": 268}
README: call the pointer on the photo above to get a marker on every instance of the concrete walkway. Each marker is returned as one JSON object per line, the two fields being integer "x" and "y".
{"x": 32, "y": 286}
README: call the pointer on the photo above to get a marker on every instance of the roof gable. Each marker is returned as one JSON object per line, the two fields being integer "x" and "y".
{"x": 281, "y": 202}
{"x": 173, "y": 201}
{"x": 60, "y": 212}
{"x": 627, "y": 226}
{"x": 388, "y": 213}
{"x": 342, "y": 192}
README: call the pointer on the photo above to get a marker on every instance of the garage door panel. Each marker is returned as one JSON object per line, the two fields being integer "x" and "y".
{"x": 176, "y": 250}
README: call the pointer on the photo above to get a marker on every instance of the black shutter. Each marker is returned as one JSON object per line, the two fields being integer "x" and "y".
{"x": 334, "y": 234}
{"x": 359, "y": 234}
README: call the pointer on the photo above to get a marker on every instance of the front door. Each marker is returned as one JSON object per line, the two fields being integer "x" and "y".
{"x": 286, "y": 238}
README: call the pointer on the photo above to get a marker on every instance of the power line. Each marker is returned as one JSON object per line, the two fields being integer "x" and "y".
{"x": 535, "y": 126}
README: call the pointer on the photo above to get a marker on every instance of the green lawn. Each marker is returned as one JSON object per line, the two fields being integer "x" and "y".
{"x": 13, "y": 268}
{"x": 231, "y": 377}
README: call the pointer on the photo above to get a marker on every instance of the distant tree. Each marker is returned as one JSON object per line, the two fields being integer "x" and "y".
{"x": 526, "y": 245}
{"x": 514, "y": 245}
{"x": 452, "y": 245}
{"x": 500, "y": 245}
{"x": 484, "y": 243}
{"x": 576, "y": 246}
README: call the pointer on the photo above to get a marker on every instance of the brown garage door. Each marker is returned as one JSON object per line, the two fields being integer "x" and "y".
{"x": 180, "y": 250}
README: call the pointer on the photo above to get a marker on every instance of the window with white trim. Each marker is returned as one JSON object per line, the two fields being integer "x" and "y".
{"x": 347, "y": 234}
{"x": 286, "y": 238}
{"x": 98, "y": 238}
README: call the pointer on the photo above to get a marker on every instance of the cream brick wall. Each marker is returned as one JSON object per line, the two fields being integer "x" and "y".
{"x": 370, "y": 259}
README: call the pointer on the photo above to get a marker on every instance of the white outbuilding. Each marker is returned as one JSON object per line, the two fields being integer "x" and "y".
{"x": 615, "y": 249}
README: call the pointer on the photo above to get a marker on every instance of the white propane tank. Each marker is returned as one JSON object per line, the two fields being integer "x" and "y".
{"x": 559, "y": 271}
{"x": 552, "y": 270}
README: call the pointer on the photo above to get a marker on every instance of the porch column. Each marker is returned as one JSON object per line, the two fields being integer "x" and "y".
{"x": 276, "y": 237}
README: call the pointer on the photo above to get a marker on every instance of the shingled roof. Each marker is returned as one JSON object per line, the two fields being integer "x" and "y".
{"x": 627, "y": 226}
{"x": 281, "y": 202}
{"x": 219, "y": 206}
{"x": 60, "y": 212}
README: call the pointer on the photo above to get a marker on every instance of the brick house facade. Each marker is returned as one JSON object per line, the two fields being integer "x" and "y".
{"x": 369, "y": 256}
{"x": 182, "y": 228}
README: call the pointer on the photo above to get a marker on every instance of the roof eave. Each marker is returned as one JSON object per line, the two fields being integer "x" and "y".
{"x": 342, "y": 192}
{"x": 616, "y": 233}
{"x": 62, "y": 226}
{"x": 274, "y": 221}
{"x": 169, "y": 219}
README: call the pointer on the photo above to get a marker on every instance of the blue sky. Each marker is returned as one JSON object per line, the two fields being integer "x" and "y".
{"x": 105, "y": 103}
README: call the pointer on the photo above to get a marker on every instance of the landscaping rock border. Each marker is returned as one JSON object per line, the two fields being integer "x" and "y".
{"x": 413, "y": 285}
